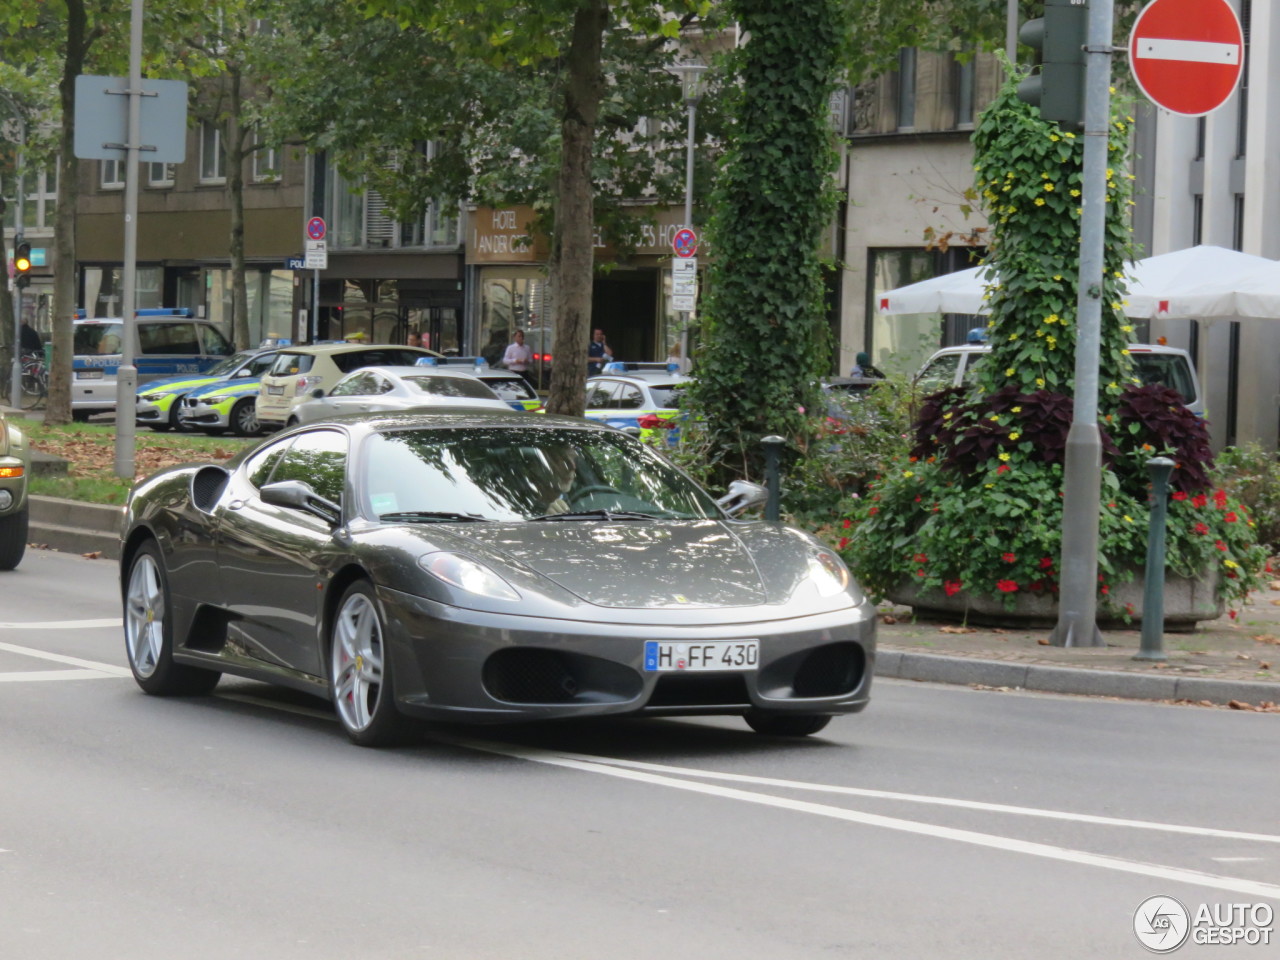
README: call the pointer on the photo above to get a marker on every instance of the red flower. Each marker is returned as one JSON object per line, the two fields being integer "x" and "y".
{"x": 1201, "y": 528}
{"x": 844, "y": 542}
{"x": 1231, "y": 517}
{"x": 1046, "y": 563}
{"x": 1111, "y": 505}
{"x": 1003, "y": 468}
{"x": 952, "y": 587}
{"x": 873, "y": 511}
{"x": 1008, "y": 557}
{"x": 1220, "y": 499}
{"x": 1037, "y": 586}
{"x": 920, "y": 558}
{"x": 1006, "y": 586}
{"x": 847, "y": 524}
{"x": 1105, "y": 590}
{"x": 1231, "y": 614}
{"x": 1128, "y": 608}
{"x": 1199, "y": 500}
{"x": 1179, "y": 495}
{"x": 917, "y": 499}
{"x": 1220, "y": 545}
{"x": 920, "y": 572}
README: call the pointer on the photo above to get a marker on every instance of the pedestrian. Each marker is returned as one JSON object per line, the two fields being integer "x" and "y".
{"x": 598, "y": 354}
{"x": 673, "y": 357}
{"x": 414, "y": 339}
{"x": 518, "y": 357}
{"x": 862, "y": 367}
{"x": 29, "y": 340}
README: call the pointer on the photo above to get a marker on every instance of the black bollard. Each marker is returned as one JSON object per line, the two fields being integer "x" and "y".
{"x": 1152, "y": 646}
{"x": 772, "y": 445}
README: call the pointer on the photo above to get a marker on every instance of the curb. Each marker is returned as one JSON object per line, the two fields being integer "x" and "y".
{"x": 932, "y": 668}
{"x": 75, "y": 527}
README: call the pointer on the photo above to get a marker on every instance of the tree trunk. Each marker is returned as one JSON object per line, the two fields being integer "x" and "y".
{"x": 572, "y": 250}
{"x": 235, "y": 194}
{"x": 58, "y": 409}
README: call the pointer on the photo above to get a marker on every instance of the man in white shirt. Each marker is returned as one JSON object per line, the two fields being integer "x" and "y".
{"x": 518, "y": 356}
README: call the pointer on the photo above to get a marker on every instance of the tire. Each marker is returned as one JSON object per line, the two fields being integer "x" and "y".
{"x": 244, "y": 418}
{"x": 360, "y": 671}
{"x": 81, "y": 416}
{"x": 13, "y": 538}
{"x": 785, "y": 724}
{"x": 148, "y": 632}
{"x": 291, "y": 423}
{"x": 160, "y": 427}
{"x": 174, "y": 409}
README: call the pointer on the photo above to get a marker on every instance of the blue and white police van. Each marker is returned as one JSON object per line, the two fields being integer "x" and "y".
{"x": 167, "y": 343}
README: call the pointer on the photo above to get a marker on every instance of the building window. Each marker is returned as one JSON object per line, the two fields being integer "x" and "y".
{"x": 112, "y": 174}
{"x": 41, "y": 205}
{"x": 907, "y": 88}
{"x": 160, "y": 174}
{"x": 1242, "y": 101}
{"x": 1201, "y": 129}
{"x": 361, "y": 218}
{"x": 1237, "y": 222}
{"x": 213, "y": 160}
{"x": 962, "y": 90}
{"x": 1197, "y": 219}
{"x": 266, "y": 162}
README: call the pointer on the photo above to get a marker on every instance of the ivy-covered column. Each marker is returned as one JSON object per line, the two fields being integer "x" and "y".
{"x": 764, "y": 341}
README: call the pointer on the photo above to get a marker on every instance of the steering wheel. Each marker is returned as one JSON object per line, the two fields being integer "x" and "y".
{"x": 585, "y": 491}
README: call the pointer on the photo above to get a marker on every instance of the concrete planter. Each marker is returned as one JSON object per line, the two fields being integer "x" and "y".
{"x": 1186, "y": 603}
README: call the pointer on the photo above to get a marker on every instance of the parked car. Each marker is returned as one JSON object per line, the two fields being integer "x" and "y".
{"x": 398, "y": 388}
{"x": 159, "y": 404}
{"x": 167, "y": 343}
{"x": 1153, "y": 364}
{"x": 485, "y": 566}
{"x": 511, "y": 387}
{"x": 221, "y": 406}
{"x": 640, "y": 396}
{"x": 300, "y": 370}
{"x": 15, "y": 468}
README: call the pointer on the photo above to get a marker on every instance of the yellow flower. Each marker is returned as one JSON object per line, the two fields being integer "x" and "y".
{"x": 1075, "y": 193}
{"x": 1044, "y": 176}
{"x": 1039, "y": 381}
{"x": 1017, "y": 409}
{"x": 990, "y": 486}
{"x": 1069, "y": 136}
{"x": 1013, "y": 336}
{"x": 1230, "y": 563}
{"x": 1124, "y": 352}
{"x": 946, "y": 416}
{"x": 1004, "y": 456}
{"x": 907, "y": 473}
{"x": 1049, "y": 187}
{"x": 1128, "y": 519}
{"x": 1015, "y": 435}
{"x": 993, "y": 418}
{"x": 1113, "y": 385}
{"x": 1057, "y": 276}
{"x": 1039, "y": 201}
{"x": 1010, "y": 372}
{"x": 1127, "y": 328}
{"x": 1119, "y": 274}
{"x": 1051, "y": 318}
{"x": 1053, "y": 343}
{"x": 1054, "y": 137}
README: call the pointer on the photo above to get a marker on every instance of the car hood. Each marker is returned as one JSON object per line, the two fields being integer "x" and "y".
{"x": 643, "y": 564}
{"x": 173, "y": 383}
{"x": 228, "y": 388}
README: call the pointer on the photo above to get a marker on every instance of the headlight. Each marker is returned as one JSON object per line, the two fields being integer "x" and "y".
{"x": 151, "y": 397}
{"x": 213, "y": 401}
{"x": 828, "y": 574}
{"x": 467, "y": 574}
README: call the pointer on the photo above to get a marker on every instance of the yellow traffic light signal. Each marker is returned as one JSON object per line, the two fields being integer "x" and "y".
{"x": 22, "y": 262}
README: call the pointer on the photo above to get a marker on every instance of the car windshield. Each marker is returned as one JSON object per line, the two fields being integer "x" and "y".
{"x": 229, "y": 365}
{"x": 449, "y": 387}
{"x": 515, "y": 474}
{"x": 511, "y": 388}
{"x": 90, "y": 338}
{"x": 666, "y": 395}
{"x": 1165, "y": 370}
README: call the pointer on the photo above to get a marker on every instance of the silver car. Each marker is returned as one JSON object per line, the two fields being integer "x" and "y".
{"x": 482, "y": 566}
{"x": 398, "y": 388}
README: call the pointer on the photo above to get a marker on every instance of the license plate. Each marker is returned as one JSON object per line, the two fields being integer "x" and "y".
{"x": 275, "y": 391}
{"x": 88, "y": 374}
{"x": 661, "y": 656}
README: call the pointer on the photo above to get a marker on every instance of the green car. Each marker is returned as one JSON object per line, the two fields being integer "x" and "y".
{"x": 15, "y": 467}
{"x": 222, "y": 406}
{"x": 159, "y": 402}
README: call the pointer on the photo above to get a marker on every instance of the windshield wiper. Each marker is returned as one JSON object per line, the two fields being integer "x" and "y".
{"x": 598, "y": 515}
{"x": 433, "y": 516}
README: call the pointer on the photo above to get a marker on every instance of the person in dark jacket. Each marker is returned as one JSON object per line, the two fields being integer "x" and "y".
{"x": 29, "y": 340}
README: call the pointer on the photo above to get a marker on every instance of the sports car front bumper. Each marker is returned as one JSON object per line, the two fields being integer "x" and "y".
{"x": 470, "y": 666}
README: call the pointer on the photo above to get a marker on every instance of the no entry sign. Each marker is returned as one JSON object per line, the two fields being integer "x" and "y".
{"x": 685, "y": 243}
{"x": 1187, "y": 54}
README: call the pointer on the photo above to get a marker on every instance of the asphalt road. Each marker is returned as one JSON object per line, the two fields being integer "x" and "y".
{"x": 943, "y": 822}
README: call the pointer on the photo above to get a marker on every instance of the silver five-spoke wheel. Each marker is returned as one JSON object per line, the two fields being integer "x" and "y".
{"x": 360, "y": 670}
{"x": 144, "y": 616}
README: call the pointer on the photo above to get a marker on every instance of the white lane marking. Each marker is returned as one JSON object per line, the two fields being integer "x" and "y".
{"x": 64, "y": 624}
{"x": 1188, "y": 51}
{"x": 1237, "y": 859}
{"x": 919, "y": 798}
{"x": 37, "y": 675}
{"x": 1252, "y": 888}
{"x": 70, "y": 661}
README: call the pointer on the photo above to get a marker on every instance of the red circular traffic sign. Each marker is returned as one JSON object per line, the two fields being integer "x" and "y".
{"x": 315, "y": 228}
{"x": 685, "y": 243}
{"x": 1187, "y": 54}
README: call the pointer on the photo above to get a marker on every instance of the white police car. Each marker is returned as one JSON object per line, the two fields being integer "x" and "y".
{"x": 640, "y": 396}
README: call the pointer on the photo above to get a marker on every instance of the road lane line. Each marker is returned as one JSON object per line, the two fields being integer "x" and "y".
{"x": 1251, "y": 888}
{"x": 920, "y": 798}
{"x": 70, "y": 661}
{"x": 38, "y": 675}
{"x": 65, "y": 624}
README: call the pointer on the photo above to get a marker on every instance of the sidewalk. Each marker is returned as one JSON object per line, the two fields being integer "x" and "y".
{"x": 1224, "y": 660}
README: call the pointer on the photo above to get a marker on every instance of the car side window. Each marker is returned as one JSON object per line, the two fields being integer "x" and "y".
{"x": 319, "y": 458}
{"x": 258, "y": 366}
{"x": 629, "y": 398}
{"x": 259, "y": 466}
{"x": 599, "y": 394}
{"x": 359, "y": 385}
{"x": 940, "y": 372}
{"x": 288, "y": 364}
{"x": 160, "y": 339}
{"x": 380, "y": 384}
{"x": 215, "y": 343}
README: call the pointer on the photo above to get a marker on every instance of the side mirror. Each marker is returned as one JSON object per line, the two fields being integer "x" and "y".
{"x": 317, "y": 393}
{"x": 742, "y": 495}
{"x": 299, "y": 495}
{"x": 242, "y": 373}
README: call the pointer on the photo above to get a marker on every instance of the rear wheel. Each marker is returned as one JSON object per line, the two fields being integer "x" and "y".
{"x": 785, "y": 724}
{"x": 360, "y": 671}
{"x": 81, "y": 416}
{"x": 244, "y": 418}
{"x": 13, "y": 538}
{"x": 148, "y": 631}
{"x": 291, "y": 422}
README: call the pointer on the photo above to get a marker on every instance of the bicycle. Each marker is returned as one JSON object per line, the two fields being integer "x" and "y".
{"x": 35, "y": 381}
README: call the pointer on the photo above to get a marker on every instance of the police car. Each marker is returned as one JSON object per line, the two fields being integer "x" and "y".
{"x": 510, "y": 386}
{"x": 160, "y": 403}
{"x": 167, "y": 342}
{"x": 640, "y": 396}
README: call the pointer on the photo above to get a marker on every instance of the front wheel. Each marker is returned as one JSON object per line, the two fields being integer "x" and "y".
{"x": 360, "y": 671}
{"x": 148, "y": 631}
{"x": 785, "y": 724}
{"x": 13, "y": 538}
{"x": 244, "y": 419}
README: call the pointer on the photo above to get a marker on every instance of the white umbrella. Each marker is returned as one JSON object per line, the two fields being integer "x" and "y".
{"x": 959, "y": 292}
{"x": 1259, "y": 296}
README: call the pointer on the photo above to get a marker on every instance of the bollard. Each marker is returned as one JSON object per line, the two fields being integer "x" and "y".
{"x": 772, "y": 445}
{"x": 1152, "y": 646}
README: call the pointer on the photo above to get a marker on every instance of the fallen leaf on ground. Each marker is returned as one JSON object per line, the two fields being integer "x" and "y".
{"x": 1243, "y": 656}
{"x": 888, "y": 618}
{"x": 1043, "y": 642}
{"x": 92, "y": 555}
{"x": 1264, "y": 665}
{"x": 1267, "y": 638}
{"x": 957, "y": 630}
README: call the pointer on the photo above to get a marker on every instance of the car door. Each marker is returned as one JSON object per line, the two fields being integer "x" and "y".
{"x": 625, "y": 406}
{"x": 276, "y": 561}
{"x": 599, "y": 403}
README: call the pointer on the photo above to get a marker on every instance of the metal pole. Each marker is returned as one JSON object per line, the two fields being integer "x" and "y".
{"x": 688, "y": 215}
{"x": 15, "y": 392}
{"x": 1011, "y": 30}
{"x": 1078, "y": 601}
{"x": 1152, "y": 647}
{"x": 315, "y": 305}
{"x": 127, "y": 375}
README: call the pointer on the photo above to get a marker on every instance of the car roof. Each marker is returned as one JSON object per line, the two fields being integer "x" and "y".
{"x": 1132, "y": 347}
{"x": 652, "y": 378}
{"x": 416, "y": 371}
{"x": 329, "y": 349}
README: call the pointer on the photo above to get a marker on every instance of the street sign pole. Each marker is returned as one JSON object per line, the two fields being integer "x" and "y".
{"x": 16, "y": 384}
{"x": 317, "y": 258}
{"x": 315, "y": 305}
{"x": 127, "y": 375}
{"x": 1078, "y": 600}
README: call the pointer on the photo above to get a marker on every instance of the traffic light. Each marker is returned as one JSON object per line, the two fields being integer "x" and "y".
{"x": 1058, "y": 39}
{"x": 21, "y": 261}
